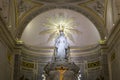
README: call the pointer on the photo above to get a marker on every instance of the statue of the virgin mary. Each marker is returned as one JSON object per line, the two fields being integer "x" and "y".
{"x": 61, "y": 47}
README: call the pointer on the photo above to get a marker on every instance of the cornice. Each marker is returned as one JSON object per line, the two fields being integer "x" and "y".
{"x": 93, "y": 50}
{"x": 6, "y": 36}
{"x": 46, "y": 58}
{"x": 82, "y": 49}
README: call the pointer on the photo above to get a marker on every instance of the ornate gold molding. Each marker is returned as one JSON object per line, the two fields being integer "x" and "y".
{"x": 6, "y": 36}
{"x": 113, "y": 37}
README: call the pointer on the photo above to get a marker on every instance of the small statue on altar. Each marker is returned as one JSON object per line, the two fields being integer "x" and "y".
{"x": 43, "y": 77}
{"x": 79, "y": 75}
{"x": 61, "y": 47}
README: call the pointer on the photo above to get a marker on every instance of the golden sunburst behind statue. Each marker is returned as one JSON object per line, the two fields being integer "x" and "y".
{"x": 60, "y": 22}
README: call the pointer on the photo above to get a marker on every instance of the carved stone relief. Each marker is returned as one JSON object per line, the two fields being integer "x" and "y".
{"x": 4, "y": 9}
{"x": 24, "y": 7}
{"x": 98, "y": 6}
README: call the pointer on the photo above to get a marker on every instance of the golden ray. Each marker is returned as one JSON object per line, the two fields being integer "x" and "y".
{"x": 70, "y": 37}
{"x": 52, "y": 36}
{"x": 67, "y": 22}
{"x": 50, "y": 25}
{"x": 75, "y": 30}
{"x": 46, "y": 31}
{"x": 57, "y": 23}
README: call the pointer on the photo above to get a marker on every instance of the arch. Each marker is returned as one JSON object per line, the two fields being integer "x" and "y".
{"x": 99, "y": 25}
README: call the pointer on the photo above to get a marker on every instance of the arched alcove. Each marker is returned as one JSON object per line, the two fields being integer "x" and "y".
{"x": 87, "y": 36}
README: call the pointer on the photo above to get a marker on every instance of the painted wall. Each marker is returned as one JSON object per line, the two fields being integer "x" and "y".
{"x": 4, "y": 64}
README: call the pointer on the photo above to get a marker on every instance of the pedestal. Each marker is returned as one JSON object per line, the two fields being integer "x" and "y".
{"x": 61, "y": 70}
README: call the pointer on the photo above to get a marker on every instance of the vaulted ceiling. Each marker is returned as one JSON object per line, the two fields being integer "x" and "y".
{"x": 26, "y": 18}
{"x": 79, "y": 27}
{"x": 87, "y": 15}
{"x": 92, "y": 9}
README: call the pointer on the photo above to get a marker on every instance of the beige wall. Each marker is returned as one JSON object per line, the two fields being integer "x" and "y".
{"x": 4, "y": 64}
{"x": 115, "y": 64}
{"x": 115, "y": 12}
{"x": 114, "y": 54}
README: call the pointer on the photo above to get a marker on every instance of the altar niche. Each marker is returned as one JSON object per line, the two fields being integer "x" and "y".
{"x": 60, "y": 67}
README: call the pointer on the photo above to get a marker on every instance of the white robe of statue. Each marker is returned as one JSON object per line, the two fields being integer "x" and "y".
{"x": 61, "y": 44}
